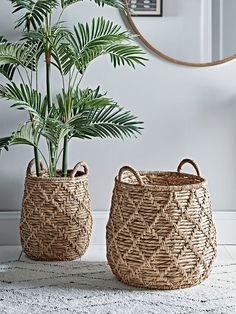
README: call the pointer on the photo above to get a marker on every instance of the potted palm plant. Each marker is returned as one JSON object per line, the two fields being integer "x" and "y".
{"x": 56, "y": 217}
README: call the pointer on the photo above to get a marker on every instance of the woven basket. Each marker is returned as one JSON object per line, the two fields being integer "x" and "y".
{"x": 56, "y": 219}
{"x": 160, "y": 234}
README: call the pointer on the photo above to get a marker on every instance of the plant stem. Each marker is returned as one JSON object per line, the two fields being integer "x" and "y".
{"x": 48, "y": 56}
{"x": 48, "y": 79}
{"x": 37, "y": 162}
{"x": 65, "y": 157}
{"x": 49, "y": 95}
{"x": 22, "y": 80}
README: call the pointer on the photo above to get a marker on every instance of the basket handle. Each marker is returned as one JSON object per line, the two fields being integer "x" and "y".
{"x": 77, "y": 167}
{"x": 191, "y": 162}
{"x": 133, "y": 171}
{"x": 30, "y": 165}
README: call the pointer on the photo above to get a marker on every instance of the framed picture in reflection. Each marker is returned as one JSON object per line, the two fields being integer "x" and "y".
{"x": 145, "y": 7}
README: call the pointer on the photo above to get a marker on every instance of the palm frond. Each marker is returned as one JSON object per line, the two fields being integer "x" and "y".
{"x": 88, "y": 113}
{"x": 88, "y": 98}
{"x": 24, "y": 98}
{"x": 122, "y": 54}
{"x": 91, "y": 41}
{"x": 7, "y": 70}
{"x": 60, "y": 35}
{"x": 66, "y": 3}
{"x": 119, "y": 4}
{"x": 29, "y": 134}
{"x": 73, "y": 102}
{"x": 23, "y": 54}
{"x": 25, "y": 135}
{"x": 35, "y": 12}
{"x": 95, "y": 115}
{"x": 5, "y": 142}
{"x": 106, "y": 122}
{"x": 52, "y": 127}
{"x": 55, "y": 130}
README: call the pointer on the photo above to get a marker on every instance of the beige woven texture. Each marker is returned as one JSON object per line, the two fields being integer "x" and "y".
{"x": 160, "y": 234}
{"x": 56, "y": 218}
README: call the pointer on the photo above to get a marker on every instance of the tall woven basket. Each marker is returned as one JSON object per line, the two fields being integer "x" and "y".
{"x": 160, "y": 234}
{"x": 56, "y": 218}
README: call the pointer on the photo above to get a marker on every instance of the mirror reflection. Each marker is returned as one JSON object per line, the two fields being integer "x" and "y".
{"x": 196, "y": 31}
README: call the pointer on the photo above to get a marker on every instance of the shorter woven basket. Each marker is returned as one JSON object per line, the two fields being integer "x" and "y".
{"x": 160, "y": 233}
{"x": 56, "y": 218}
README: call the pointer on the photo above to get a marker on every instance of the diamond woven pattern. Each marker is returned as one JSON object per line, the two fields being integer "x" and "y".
{"x": 160, "y": 234}
{"x": 56, "y": 218}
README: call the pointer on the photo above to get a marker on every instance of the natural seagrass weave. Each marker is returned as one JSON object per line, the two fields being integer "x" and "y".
{"x": 160, "y": 233}
{"x": 56, "y": 218}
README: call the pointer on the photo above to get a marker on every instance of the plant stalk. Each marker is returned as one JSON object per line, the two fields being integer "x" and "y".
{"x": 65, "y": 157}
{"x": 36, "y": 153}
{"x": 48, "y": 56}
{"x": 37, "y": 162}
{"x": 48, "y": 79}
{"x": 49, "y": 95}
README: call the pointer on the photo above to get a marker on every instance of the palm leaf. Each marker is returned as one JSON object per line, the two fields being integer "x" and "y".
{"x": 54, "y": 130}
{"x": 7, "y": 70}
{"x": 106, "y": 122}
{"x": 95, "y": 115}
{"x": 91, "y": 41}
{"x": 73, "y": 103}
{"x": 36, "y": 12}
{"x": 92, "y": 114}
{"x": 25, "y": 98}
{"x": 88, "y": 98}
{"x": 59, "y": 37}
{"x": 5, "y": 142}
{"x": 122, "y": 54}
{"x": 119, "y": 4}
{"x": 25, "y": 135}
{"x": 29, "y": 134}
{"x": 24, "y": 54}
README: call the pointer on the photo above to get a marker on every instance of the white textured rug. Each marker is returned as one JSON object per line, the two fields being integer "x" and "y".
{"x": 84, "y": 287}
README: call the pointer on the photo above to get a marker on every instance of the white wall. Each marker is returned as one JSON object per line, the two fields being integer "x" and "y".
{"x": 188, "y": 112}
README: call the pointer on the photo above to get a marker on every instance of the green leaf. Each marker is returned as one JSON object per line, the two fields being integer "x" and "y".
{"x": 89, "y": 113}
{"x": 89, "y": 98}
{"x": 25, "y": 98}
{"x": 24, "y": 54}
{"x": 5, "y": 142}
{"x": 107, "y": 122}
{"x": 7, "y": 70}
{"x": 35, "y": 12}
{"x": 25, "y": 135}
{"x": 122, "y": 54}
{"x": 95, "y": 115}
{"x": 119, "y": 4}
{"x": 91, "y": 41}
{"x": 59, "y": 38}
{"x": 54, "y": 130}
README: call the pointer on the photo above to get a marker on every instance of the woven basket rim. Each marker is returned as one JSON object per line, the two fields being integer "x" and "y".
{"x": 166, "y": 187}
{"x": 44, "y": 178}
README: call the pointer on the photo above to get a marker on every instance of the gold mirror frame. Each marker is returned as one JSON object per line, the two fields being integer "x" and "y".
{"x": 164, "y": 56}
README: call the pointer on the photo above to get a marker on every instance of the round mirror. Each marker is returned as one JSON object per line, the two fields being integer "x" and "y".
{"x": 189, "y": 32}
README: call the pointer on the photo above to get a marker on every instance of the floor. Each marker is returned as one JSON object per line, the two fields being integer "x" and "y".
{"x": 226, "y": 253}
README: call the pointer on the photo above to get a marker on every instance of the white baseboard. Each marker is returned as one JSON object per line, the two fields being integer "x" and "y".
{"x": 9, "y": 227}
